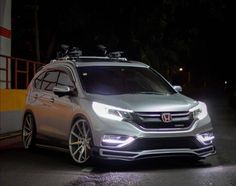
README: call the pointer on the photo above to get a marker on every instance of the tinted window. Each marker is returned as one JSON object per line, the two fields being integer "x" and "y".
{"x": 65, "y": 80}
{"x": 122, "y": 80}
{"x": 38, "y": 81}
{"x": 50, "y": 80}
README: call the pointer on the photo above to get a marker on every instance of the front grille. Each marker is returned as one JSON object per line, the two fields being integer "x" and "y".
{"x": 153, "y": 120}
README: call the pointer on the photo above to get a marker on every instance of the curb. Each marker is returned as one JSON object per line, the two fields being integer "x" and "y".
{"x": 10, "y": 135}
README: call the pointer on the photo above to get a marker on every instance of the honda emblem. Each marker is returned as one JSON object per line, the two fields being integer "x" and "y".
{"x": 166, "y": 117}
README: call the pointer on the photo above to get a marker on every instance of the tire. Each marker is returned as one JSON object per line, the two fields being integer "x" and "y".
{"x": 80, "y": 141}
{"x": 28, "y": 131}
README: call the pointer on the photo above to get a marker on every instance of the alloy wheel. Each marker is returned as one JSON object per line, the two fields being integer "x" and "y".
{"x": 28, "y": 131}
{"x": 80, "y": 141}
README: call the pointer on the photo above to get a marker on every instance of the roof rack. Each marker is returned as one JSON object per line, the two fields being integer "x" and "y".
{"x": 68, "y": 52}
{"x": 75, "y": 54}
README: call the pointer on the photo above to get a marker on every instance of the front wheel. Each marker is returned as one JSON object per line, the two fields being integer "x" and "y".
{"x": 28, "y": 131}
{"x": 80, "y": 141}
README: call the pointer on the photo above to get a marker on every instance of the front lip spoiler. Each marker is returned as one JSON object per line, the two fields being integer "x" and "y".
{"x": 131, "y": 155}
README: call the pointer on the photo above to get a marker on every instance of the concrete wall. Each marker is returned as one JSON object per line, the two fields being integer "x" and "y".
{"x": 5, "y": 41}
{"x": 12, "y": 103}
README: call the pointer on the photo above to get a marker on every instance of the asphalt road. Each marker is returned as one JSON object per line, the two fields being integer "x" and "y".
{"x": 48, "y": 167}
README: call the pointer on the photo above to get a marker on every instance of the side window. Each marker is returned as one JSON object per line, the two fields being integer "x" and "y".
{"x": 38, "y": 81}
{"x": 65, "y": 80}
{"x": 50, "y": 80}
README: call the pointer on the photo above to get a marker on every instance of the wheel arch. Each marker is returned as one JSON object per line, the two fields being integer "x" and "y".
{"x": 80, "y": 116}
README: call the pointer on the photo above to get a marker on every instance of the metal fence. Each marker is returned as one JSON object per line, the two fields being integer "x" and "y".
{"x": 16, "y": 73}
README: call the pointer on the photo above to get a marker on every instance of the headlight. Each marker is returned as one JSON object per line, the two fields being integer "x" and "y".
{"x": 200, "y": 111}
{"x": 111, "y": 112}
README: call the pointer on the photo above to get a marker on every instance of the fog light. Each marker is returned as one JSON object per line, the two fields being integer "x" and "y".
{"x": 116, "y": 140}
{"x": 205, "y": 138}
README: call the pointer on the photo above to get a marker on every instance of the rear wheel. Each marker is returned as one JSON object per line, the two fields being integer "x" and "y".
{"x": 28, "y": 131}
{"x": 80, "y": 141}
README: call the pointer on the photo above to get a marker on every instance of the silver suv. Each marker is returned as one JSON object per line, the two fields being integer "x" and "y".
{"x": 113, "y": 108}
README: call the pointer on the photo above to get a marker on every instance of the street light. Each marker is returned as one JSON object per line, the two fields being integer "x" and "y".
{"x": 181, "y": 69}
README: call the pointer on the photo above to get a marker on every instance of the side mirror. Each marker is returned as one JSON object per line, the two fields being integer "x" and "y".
{"x": 178, "y": 88}
{"x": 63, "y": 91}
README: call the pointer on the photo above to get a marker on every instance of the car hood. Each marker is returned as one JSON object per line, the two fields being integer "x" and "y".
{"x": 147, "y": 102}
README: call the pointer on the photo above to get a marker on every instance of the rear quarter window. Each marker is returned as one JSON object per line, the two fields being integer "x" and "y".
{"x": 38, "y": 81}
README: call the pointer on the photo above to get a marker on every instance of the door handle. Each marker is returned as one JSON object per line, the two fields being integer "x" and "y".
{"x": 51, "y": 100}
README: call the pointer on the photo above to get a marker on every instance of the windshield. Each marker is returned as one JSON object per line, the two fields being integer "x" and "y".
{"x": 112, "y": 80}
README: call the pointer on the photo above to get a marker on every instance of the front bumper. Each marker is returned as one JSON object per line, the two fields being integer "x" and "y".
{"x": 151, "y": 148}
{"x": 129, "y": 155}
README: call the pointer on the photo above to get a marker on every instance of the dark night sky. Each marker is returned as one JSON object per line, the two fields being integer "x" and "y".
{"x": 195, "y": 34}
